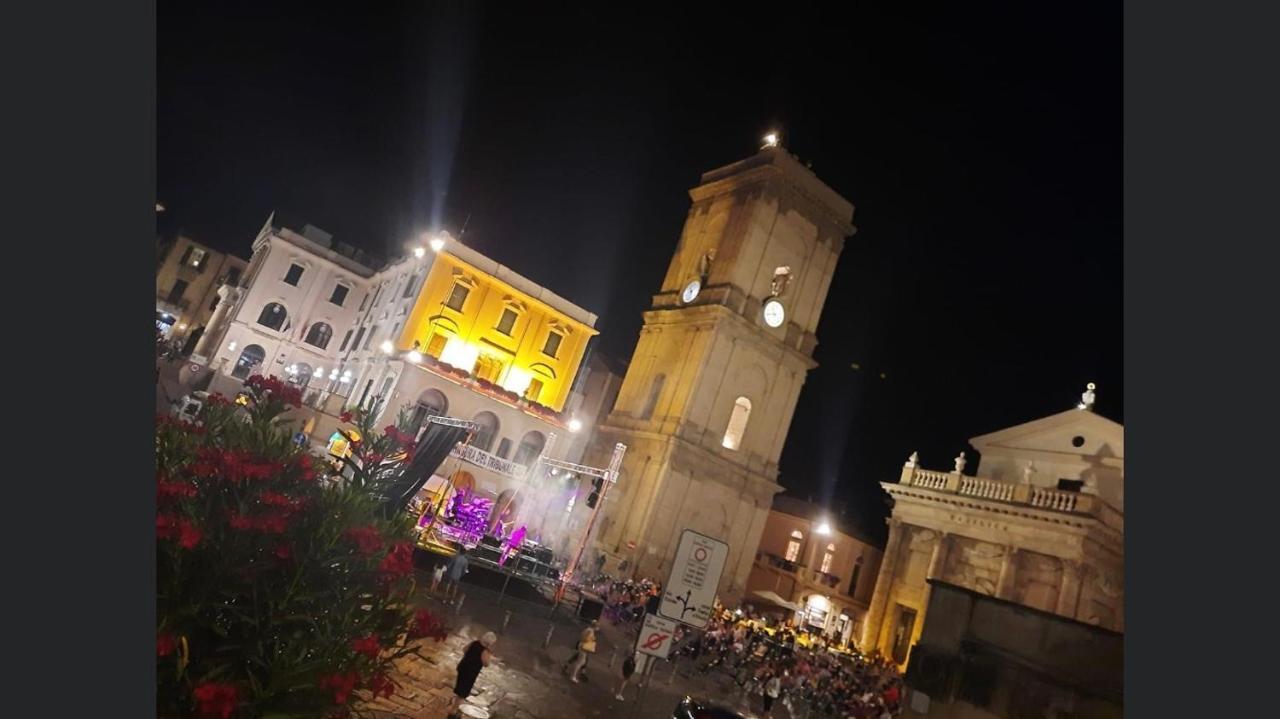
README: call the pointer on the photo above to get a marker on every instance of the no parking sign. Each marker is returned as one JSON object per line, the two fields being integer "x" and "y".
{"x": 655, "y": 636}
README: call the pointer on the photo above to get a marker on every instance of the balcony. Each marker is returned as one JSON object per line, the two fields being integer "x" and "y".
{"x": 811, "y": 577}
{"x": 463, "y": 378}
{"x": 1041, "y": 498}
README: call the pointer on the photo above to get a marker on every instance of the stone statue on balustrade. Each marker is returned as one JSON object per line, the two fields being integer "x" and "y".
{"x": 960, "y": 463}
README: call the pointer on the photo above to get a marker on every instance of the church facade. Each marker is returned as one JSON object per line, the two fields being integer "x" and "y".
{"x": 708, "y": 397}
{"x": 1040, "y": 523}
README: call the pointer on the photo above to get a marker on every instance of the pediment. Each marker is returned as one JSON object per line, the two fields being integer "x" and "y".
{"x": 1059, "y": 434}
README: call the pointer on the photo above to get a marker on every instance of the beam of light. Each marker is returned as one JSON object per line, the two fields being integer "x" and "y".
{"x": 448, "y": 44}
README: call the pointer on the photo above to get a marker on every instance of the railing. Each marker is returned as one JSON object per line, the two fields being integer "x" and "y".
{"x": 1053, "y": 499}
{"x": 827, "y": 580}
{"x": 777, "y": 562}
{"x": 1045, "y": 498}
{"x": 929, "y": 480}
{"x": 986, "y": 489}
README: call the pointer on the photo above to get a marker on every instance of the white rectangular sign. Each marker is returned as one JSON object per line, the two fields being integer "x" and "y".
{"x": 655, "y": 636}
{"x": 695, "y": 576}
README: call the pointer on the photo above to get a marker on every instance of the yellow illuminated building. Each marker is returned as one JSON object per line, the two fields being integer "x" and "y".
{"x": 481, "y": 323}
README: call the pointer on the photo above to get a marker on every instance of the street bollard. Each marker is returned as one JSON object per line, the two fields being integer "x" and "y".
{"x": 505, "y": 621}
{"x": 550, "y": 629}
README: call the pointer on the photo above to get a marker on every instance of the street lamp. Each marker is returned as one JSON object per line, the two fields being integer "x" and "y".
{"x": 823, "y": 528}
{"x": 419, "y": 252}
{"x": 437, "y": 244}
{"x": 575, "y": 424}
{"x": 387, "y": 347}
{"x": 771, "y": 139}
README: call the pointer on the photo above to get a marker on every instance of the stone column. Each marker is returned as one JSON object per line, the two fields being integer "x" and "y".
{"x": 937, "y": 561}
{"x": 871, "y": 626}
{"x": 1008, "y": 573}
{"x": 1069, "y": 590}
{"x": 208, "y": 344}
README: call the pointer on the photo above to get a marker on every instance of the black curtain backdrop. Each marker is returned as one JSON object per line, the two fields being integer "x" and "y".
{"x": 433, "y": 448}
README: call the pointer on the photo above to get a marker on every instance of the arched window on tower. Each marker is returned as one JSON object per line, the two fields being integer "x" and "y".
{"x": 793, "y": 546}
{"x": 737, "y": 423}
{"x": 655, "y": 391}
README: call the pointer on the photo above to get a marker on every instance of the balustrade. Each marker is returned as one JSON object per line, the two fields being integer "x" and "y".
{"x": 1039, "y": 497}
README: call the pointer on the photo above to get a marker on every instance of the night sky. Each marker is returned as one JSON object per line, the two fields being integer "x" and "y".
{"x": 980, "y": 147}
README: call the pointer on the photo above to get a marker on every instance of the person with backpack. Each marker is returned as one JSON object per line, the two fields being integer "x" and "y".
{"x": 586, "y": 645}
{"x": 628, "y": 668}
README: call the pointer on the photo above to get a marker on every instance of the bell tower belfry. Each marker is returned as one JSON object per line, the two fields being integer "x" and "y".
{"x": 709, "y": 394}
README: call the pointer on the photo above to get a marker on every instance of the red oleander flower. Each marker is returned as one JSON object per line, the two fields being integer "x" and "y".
{"x": 398, "y": 562}
{"x": 275, "y": 499}
{"x": 373, "y": 458}
{"x": 368, "y": 540}
{"x": 426, "y": 624}
{"x": 171, "y": 490}
{"x": 165, "y": 644}
{"x": 382, "y": 686}
{"x": 216, "y": 699}
{"x": 367, "y": 646}
{"x": 341, "y": 684}
{"x": 308, "y": 469}
{"x": 271, "y": 524}
{"x": 166, "y": 526}
{"x": 189, "y": 535}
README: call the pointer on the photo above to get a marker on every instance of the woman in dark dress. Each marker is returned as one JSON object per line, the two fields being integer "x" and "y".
{"x": 477, "y": 656}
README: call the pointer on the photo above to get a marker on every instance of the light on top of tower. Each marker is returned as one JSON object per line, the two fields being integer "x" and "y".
{"x": 771, "y": 139}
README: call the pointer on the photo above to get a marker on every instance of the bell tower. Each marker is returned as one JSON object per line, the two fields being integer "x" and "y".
{"x": 708, "y": 398}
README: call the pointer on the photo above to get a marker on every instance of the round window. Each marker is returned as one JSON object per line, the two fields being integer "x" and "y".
{"x": 1077, "y": 441}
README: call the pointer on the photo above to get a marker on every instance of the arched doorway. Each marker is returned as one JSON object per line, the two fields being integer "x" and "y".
{"x": 431, "y": 403}
{"x": 250, "y": 358}
{"x": 486, "y": 430}
{"x": 531, "y": 445}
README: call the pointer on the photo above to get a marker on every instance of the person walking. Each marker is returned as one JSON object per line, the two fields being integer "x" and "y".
{"x": 586, "y": 646}
{"x": 772, "y": 688}
{"x": 437, "y": 575}
{"x": 478, "y": 655}
{"x": 457, "y": 567}
{"x": 628, "y": 669}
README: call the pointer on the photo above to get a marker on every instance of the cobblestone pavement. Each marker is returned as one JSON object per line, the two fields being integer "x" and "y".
{"x": 526, "y": 681}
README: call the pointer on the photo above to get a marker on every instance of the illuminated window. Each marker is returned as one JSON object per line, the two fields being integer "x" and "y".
{"x": 533, "y": 390}
{"x": 737, "y": 423}
{"x": 507, "y": 321}
{"x": 793, "y": 546}
{"x": 827, "y": 557}
{"x": 294, "y": 275}
{"x": 458, "y": 297}
{"x": 197, "y": 259}
{"x": 488, "y": 368}
{"x": 273, "y": 316}
{"x": 339, "y": 294}
{"x": 319, "y": 335}
{"x": 435, "y": 346}
{"x": 553, "y": 344}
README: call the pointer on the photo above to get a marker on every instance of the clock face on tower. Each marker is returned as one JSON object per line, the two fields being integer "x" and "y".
{"x": 774, "y": 313}
{"x": 691, "y": 291}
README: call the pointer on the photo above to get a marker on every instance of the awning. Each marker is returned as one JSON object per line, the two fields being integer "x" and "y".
{"x": 773, "y": 598}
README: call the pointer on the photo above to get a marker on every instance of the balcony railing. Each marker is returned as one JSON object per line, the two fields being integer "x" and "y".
{"x": 1045, "y": 498}
{"x": 798, "y": 570}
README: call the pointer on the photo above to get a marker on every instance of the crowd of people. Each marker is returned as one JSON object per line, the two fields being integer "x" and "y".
{"x": 771, "y": 667}
{"x": 778, "y": 669}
